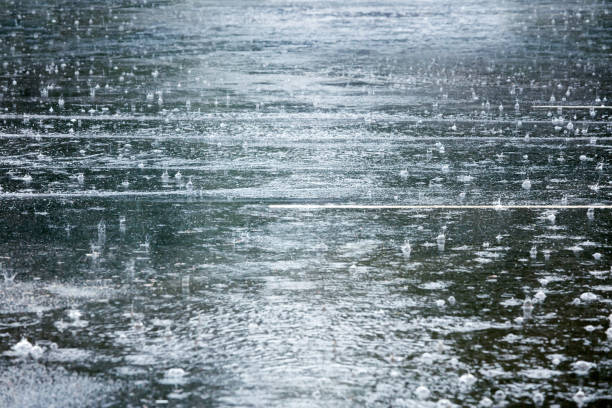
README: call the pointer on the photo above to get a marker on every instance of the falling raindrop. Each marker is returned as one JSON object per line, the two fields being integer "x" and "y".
{"x": 527, "y": 308}
{"x": 101, "y": 233}
{"x": 122, "y": 224}
{"x": 406, "y": 249}
{"x": 441, "y": 240}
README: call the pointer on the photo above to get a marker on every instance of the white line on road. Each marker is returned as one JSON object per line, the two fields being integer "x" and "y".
{"x": 435, "y": 207}
{"x": 570, "y": 107}
{"x": 318, "y": 118}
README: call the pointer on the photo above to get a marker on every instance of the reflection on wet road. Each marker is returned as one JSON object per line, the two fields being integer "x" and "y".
{"x": 305, "y": 203}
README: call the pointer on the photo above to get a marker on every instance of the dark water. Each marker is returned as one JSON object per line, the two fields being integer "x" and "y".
{"x": 142, "y": 288}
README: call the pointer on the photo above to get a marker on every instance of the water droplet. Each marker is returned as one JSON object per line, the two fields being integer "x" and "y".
{"x": 422, "y": 392}
{"x": 526, "y": 184}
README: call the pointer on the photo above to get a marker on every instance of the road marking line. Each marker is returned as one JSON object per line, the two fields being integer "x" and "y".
{"x": 356, "y": 118}
{"x": 98, "y": 194}
{"x": 570, "y": 107}
{"x": 434, "y": 206}
{"x": 265, "y": 141}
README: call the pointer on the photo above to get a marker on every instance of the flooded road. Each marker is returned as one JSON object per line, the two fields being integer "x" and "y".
{"x": 292, "y": 203}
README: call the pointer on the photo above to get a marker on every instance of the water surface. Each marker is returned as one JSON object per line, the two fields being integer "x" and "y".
{"x": 143, "y": 142}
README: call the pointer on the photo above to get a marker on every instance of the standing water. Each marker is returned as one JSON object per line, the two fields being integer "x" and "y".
{"x": 305, "y": 203}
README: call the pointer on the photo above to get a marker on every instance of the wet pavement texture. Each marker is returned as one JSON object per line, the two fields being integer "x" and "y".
{"x": 158, "y": 165}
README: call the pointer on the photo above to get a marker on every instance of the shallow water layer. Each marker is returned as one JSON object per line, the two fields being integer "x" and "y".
{"x": 161, "y": 163}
